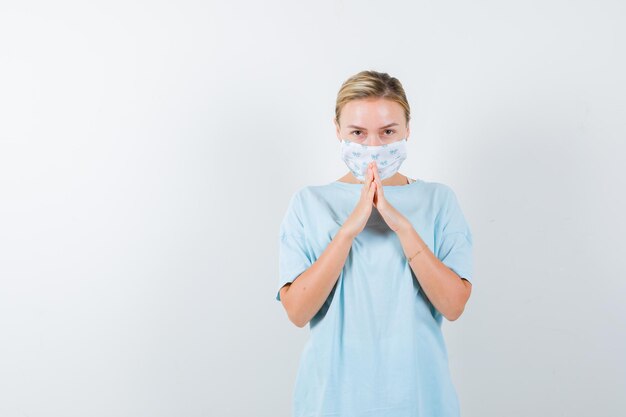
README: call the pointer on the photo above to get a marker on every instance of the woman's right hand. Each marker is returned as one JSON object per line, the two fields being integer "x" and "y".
{"x": 355, "y": 223}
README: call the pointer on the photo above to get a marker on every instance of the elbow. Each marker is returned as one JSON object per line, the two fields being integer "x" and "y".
{"x": 454, "y": 315}
{"x": 296, "y": 318}
{"x": 459, "y": 307}
{"x": 293, "y": 314}
{"x": 299, "y": 323}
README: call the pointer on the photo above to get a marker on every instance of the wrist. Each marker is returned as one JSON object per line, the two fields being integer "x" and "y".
{"x": 404, "y": 227}
{"x": 343, "y": 234}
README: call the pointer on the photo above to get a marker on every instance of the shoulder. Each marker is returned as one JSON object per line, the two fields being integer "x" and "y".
{"x": 442, "y": 198}
{"x": 306, "y": 192}
{"x": 304, "y": 195}
{"x": 438, "y": 191}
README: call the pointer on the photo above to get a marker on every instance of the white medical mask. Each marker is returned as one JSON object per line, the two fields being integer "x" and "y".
{"x": 388, "y": 157}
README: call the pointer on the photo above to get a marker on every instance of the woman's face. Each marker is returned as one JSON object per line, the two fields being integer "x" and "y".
{"x": 372, "y": 121}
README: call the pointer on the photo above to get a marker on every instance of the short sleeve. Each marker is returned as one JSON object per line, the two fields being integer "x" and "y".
{"x": 456, "y": 247}
{"x": 293, "y": 254}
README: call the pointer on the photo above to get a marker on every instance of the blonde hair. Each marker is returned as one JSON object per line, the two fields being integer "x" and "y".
{"x": 368, "y": 84}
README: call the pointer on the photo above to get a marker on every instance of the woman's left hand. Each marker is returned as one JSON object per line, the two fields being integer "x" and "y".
{"x": 394, "y": 219}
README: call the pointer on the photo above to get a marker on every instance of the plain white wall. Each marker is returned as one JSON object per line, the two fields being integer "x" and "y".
{"x": 148, "y": 150}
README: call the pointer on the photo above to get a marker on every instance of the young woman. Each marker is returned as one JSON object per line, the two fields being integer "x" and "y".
{"x": 372, "y": 262}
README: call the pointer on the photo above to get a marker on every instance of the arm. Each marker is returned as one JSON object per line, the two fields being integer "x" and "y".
{"x": 445, "y": 289}
{"x": 304, "y": 297}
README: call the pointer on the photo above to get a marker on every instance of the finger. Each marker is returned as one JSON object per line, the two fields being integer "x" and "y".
{"x": 372, "y": 191}
{"x": 379, "y": 183}
{"x": 376, "y": 174}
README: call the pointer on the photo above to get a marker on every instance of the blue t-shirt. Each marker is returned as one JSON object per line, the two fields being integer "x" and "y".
{"x": 375, "y": 348}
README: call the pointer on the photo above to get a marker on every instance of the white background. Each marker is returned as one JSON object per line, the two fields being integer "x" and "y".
{"x": 148, "y": 150}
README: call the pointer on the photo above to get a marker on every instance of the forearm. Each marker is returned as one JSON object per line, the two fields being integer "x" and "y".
{"x": 306, "y": 294}
{"x": 443, "y": 287}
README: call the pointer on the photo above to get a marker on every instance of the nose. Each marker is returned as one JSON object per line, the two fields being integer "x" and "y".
{"x": 373, "y": 140}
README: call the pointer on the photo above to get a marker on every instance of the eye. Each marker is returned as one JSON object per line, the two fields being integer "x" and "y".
{"x": 355, "y": 131}
{"x": 390, "y": 130}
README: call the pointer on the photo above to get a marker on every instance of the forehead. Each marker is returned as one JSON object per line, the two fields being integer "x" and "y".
{"x": 372, "y": 110}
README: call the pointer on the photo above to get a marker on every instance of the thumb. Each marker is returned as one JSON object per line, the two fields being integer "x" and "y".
{"x": 372, "y": 191}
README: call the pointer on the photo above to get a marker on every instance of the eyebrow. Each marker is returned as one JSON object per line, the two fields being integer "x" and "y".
{"x": 362, "y": 128}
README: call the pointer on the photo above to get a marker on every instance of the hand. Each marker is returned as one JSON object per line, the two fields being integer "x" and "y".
{"x": 357, "y": 220}
{"x": 394, "y": 219}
